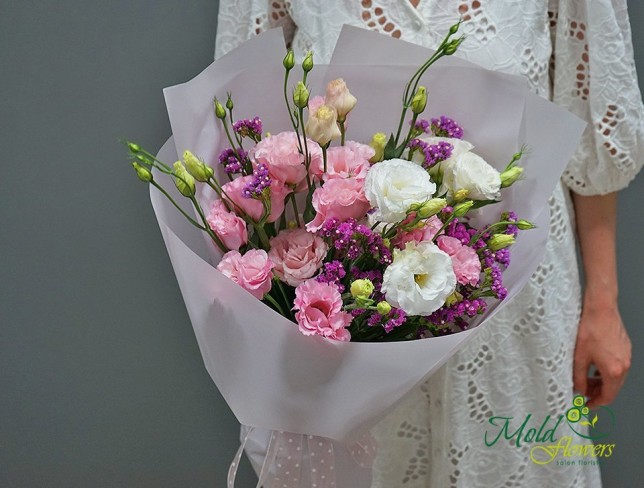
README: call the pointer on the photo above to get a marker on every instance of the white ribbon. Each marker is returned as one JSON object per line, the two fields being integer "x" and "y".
{"x": 286, "y": 454}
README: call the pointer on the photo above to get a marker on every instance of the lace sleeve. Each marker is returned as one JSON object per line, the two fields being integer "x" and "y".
{"x": 238, "y": 20}
{"x": 594, "y": 77}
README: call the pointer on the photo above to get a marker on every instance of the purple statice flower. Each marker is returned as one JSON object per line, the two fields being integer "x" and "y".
{"x": 455, "y": 313}
{"x": 502, "y": 256}
{"x": 232, "y": 164}
{"x": 497, "y": 287}
{"x": 422, "y": 126}
{"x": 332, "y": 272}
{"x": 512, "y": 230}
{"x": 446, "y": 127}
{"x": 434, "y": 153}
{"x": 354, "y": 240}
{"x": 487, "y": 257}
{"x": 459, "y": 231}
{"x": 395, "y": 318}
{"x": 260, "y": 182}
{"x": 249, "y": 128}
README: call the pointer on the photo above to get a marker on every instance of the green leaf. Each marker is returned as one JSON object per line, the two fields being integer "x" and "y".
{"x": 595, "y": 418}
{"x": 390, "y": 148}
{"x": 585, "y": 423}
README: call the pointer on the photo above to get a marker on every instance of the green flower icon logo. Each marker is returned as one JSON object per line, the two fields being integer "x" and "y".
{"x": 580, "y": 414}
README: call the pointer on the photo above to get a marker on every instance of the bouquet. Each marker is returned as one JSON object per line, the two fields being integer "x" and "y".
{"x": 319, "y": 241}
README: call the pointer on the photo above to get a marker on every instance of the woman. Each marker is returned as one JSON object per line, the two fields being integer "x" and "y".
{"x": 540, "y": 347}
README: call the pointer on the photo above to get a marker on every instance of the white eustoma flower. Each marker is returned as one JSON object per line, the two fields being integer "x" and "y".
{"x": 393, "y": 186}
{"x": 420, "y": 278}
{"x": 470, "y": 172}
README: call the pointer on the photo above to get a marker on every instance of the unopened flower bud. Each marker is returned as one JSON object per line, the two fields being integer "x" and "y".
{"x": 307, "y": 64}
{"x": 509, "y": 176}
{"x": 142, "y": 172}
{"x": 500, "y": 241}
{"x": 431, "y": 207}
{"x": 525, "y": 225}
{"x": 454, "y": 29}
{"x": 419, "y": 101}
{"x": 453, "y": 299}
{"x": 383, "y": 308}
{"x": 461, "y": 194}
{"x": 462, "y": 208}
{"x": 378, "y": 143}
{"x": 229, "y": 102}
{"x": 301, "y": 95}
{"x": 197, "y": 168}
{"x": 289, "y": 60}
{"x": 220, "y": 111}
{"x": 452, "y": 47}
{"x": 134, "y": 148}
{"x": 361, "y": 288}
{"x": 339, "y": 97}
{"x": 322, "y": 125}
{"x": 183, "y": 180}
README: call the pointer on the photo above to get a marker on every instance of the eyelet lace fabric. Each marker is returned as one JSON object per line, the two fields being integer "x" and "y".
{"x": 581, "y": 58}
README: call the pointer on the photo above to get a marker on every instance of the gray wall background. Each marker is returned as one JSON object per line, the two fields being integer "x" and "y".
{"x": 101, "y": 380}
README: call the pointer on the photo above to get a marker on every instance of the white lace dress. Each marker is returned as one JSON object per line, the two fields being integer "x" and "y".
{"x": 579, "y": 54}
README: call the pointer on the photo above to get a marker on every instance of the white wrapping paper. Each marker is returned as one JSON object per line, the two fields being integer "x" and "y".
{"x": 273, "y": 377}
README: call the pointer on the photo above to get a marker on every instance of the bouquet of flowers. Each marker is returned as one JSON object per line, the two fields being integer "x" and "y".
{"x": 319, "y": 242}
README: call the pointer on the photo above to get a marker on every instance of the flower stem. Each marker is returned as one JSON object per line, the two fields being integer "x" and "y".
{"x": 275, "y": 304}
{"x": 167, "y": 195}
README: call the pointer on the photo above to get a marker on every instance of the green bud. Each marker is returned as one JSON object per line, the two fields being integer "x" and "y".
{"x": 453, "y": 299}
{"x": 419, "y": 102}
{"x": 229, "y": 102}
{"x": 383, "y": 308}
{"x": 509, "y": 176}
{"x": 134, "y": 148}
{"x": 289, "y": 60}
{"x": 142, "y": 172}
{"x": 452, "y": 47}
{"x": 431, "y": 207}
{"x": 220, "y": 111}
{"x": 307, "y": 64}
{"x": 525, "y": 225}
{"x": 378, "y": 143}
{"x": 454, "y": 29}
{"x": 500, "y": 241}
{"x": 301, "y": 95}
{"x": 197, "y": 168}
{"x": 361, "y": 288}
{"x": 183, "y": 180}
{"x": 462, "y": 208}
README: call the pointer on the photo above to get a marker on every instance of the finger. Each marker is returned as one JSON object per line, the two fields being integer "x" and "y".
{"x": 594, "y": 386}
{"x": 609, "y": 389}
{"x": 580, "y": 373}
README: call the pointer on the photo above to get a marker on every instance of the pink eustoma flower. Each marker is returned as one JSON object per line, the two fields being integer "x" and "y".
{"x": 341, "y": 198}
{"x": 465, "y": 261}
{"x": 251, "y": 206}
{"x": 280, "y": 154}
{"x": 297, "y": 255}
{"x": 228, "y": 226}
{"x": 319, "y": 311}
{"x": 252, "y": 271}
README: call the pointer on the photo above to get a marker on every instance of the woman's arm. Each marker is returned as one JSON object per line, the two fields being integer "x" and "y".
{"x": 601, "y": 339}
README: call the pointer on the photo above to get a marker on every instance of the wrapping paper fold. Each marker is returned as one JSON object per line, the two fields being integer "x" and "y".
{"x": 271, "y": 375}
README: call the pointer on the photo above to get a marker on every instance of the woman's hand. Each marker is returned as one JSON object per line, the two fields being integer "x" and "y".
{"x": 603, "y": 342}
